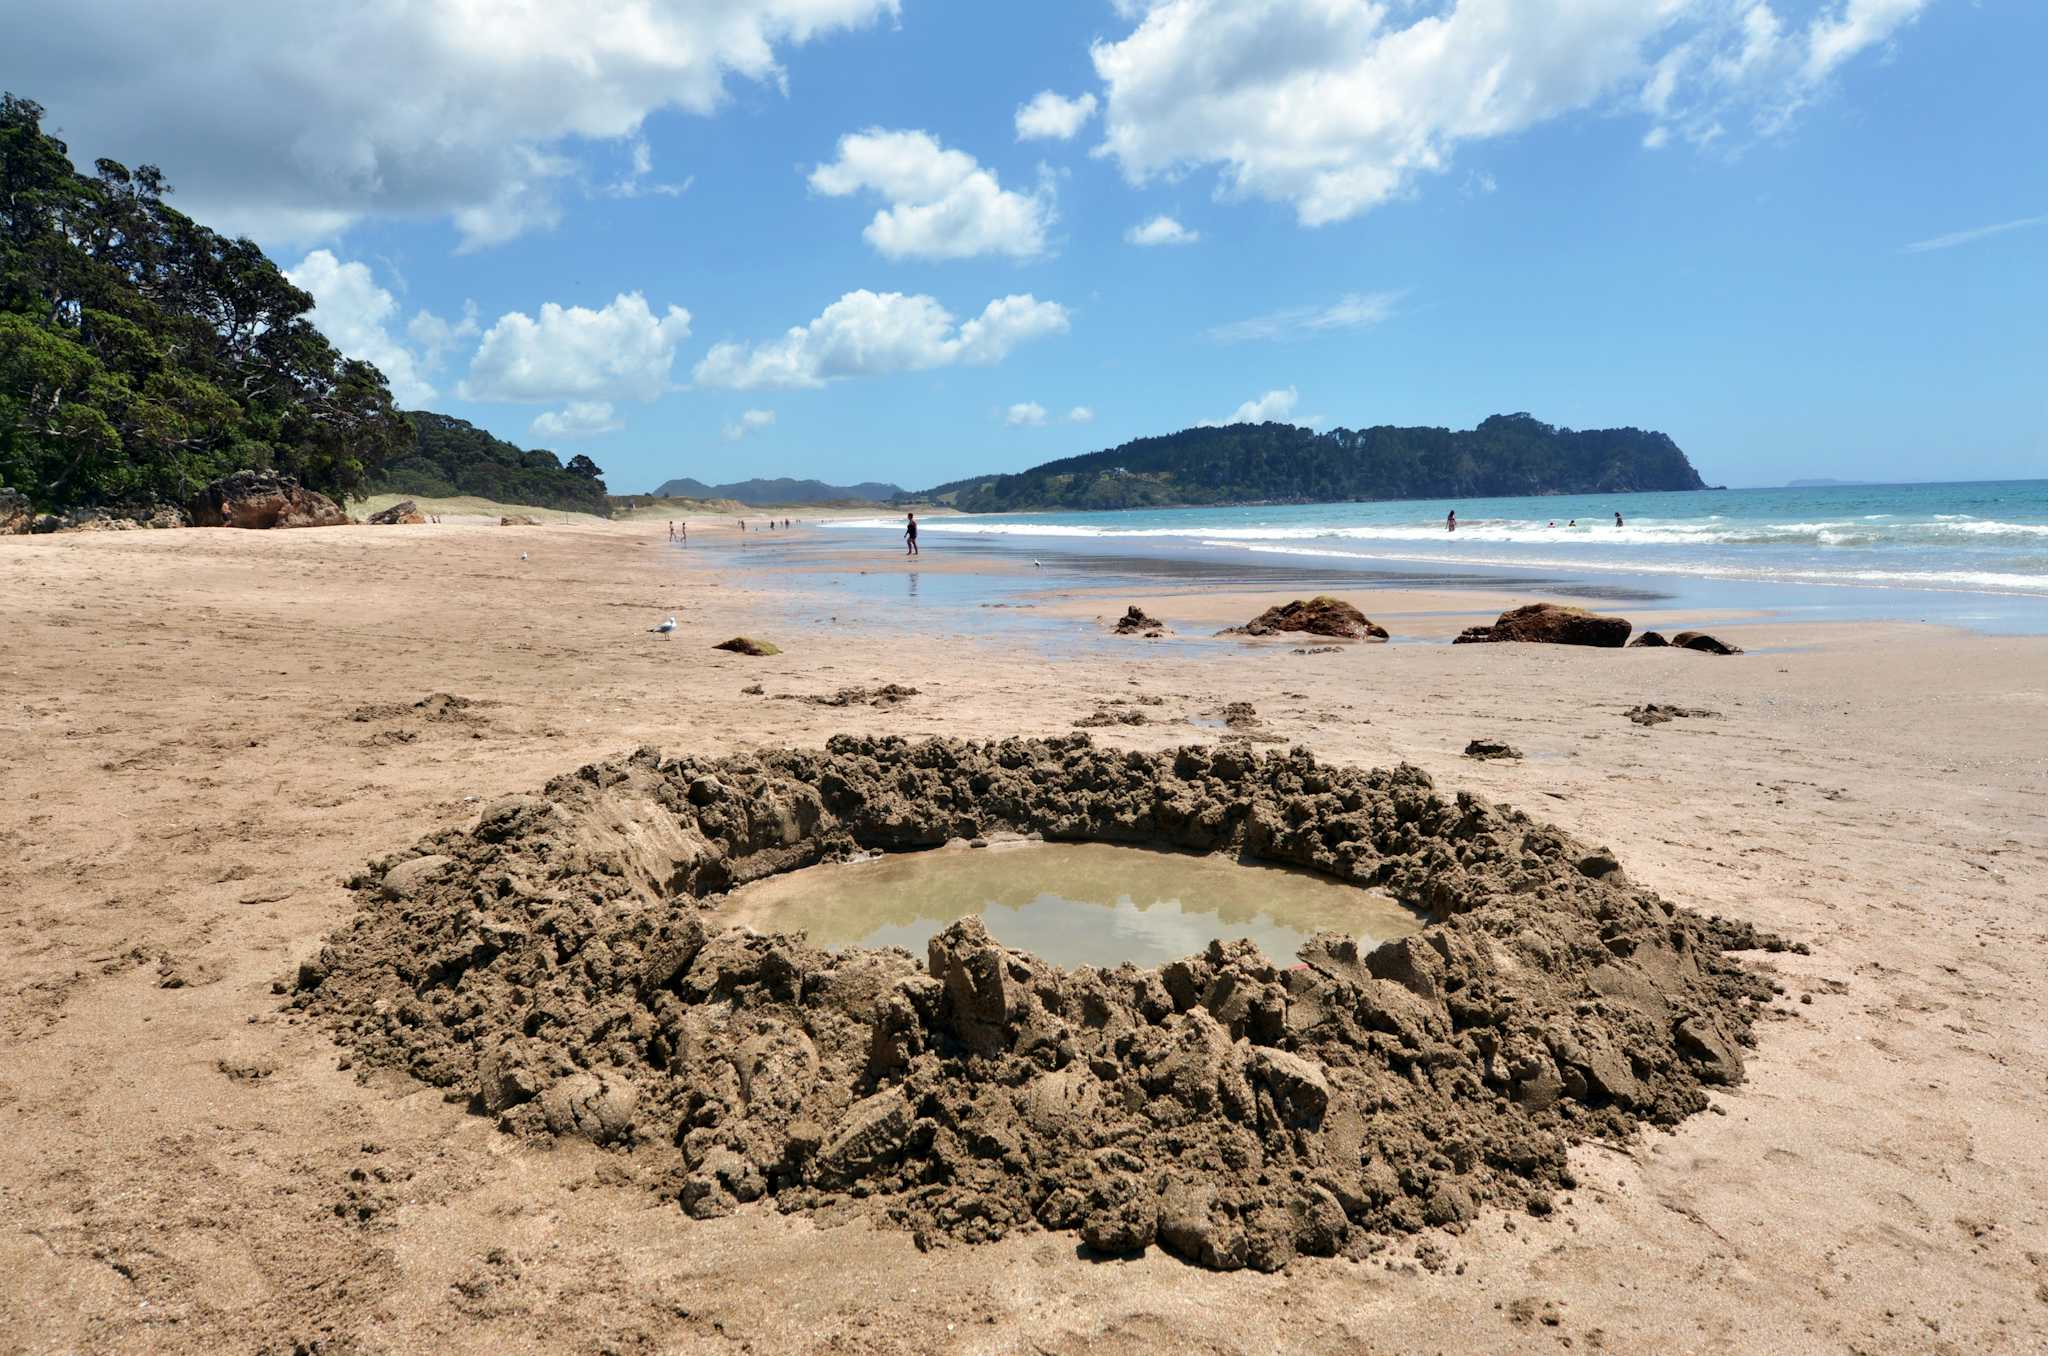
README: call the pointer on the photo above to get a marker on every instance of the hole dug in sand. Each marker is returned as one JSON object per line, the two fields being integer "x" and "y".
{"x": 568, "y": 966}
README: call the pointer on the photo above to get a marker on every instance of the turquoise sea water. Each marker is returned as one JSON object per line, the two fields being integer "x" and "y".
{"x": 1973, "y": 552}
{"x": 1979, "y": 537}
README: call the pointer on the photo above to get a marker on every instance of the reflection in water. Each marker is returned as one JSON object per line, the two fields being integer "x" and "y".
{"x": 1071, "y": 903}
{"x": 912, "y": 577}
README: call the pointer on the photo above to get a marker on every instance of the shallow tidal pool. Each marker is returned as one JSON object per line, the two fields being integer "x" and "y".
{"x": 1070, "y": 903}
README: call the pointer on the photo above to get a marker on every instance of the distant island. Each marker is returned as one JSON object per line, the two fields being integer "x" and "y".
{"x": 450, "y": 456}
{"x": 781, "y": 490}
{"x": 1508, "y": 454}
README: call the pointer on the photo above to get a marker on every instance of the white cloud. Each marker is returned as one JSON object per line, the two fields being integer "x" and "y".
{"x": 1025, "y": 414}
{"x": 356, "y": 315}
{"x": 622, "y": 352}
{"x": 1161, "y": 230}
{"x": 1837, "y": 35}
{"x": 292, "y": 120}
{"x": 1081, "y": 414}
{"x": 868, "y": 333}
{"x": 750, "y": 421}
{"x": 1273, "y": 405}
{"x": 942, "y": 203}
{"x": 1353, "y": 310}
{"x": 577, "y": 419}
{"x": 1336, "y": 108}
{"x": 1048, "y": 117}
{"x": 1975, "y": 233}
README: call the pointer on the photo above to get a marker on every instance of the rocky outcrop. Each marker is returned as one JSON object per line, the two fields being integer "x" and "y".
{"x": 1486, "y": 749}
{"x": 1649, "y": 640}
{"x": 1704, "y": 643}
{"x": 1318, "y": 616}
{"x": 404, "y": 511}
{"x": 16, "y": 513}
{"x": 1135, "y": 622}
{"x": 565, "y": 965}
{"x": 1550, "y": 624}
{"x": 263, "y": 499}
{"x": 92, "y": 518}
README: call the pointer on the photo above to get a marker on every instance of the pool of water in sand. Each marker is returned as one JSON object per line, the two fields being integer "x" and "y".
{"x": 1069, "y": 903}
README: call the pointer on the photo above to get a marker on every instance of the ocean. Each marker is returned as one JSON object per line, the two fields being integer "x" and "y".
{"x": 1974, "y": 553}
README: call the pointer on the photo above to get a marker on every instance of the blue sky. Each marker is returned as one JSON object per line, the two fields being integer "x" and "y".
{"x": 1804, "y": 237}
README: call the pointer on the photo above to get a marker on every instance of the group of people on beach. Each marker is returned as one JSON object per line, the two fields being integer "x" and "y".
{"x": 1451, "y": 522}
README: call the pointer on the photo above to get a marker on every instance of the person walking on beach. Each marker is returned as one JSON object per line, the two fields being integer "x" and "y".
{"x": 910, "y": 534}
{"x": 1451, "y": 521}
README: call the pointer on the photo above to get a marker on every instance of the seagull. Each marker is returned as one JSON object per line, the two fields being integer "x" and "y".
{"x": 1038, "y": 564}
{"x": 668, "y": 624}
{"x": 522, "y": 555}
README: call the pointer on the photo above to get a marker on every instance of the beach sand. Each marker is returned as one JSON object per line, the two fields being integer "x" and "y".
{"x": 209, "y": 731}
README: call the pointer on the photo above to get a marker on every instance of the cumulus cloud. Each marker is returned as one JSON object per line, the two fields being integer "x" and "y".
{"x": 622, "y": 352}
{"x": 1048, "y": 117}
{"x": 872, "y": 333}
{"x": 1081, "y": 414}
{"x": 750, "y": 421}
{"x": 1025, "y": 414}
{"x": 577, "y": 419}
{"x": 1353, "y": 310}
{"x": 288, "y": 122}
{"x": 1161, "y": 230}
{"x": 356, "y": 315}
{"x": 1273, "y": 405}
{"x": 942, "y": 203}
{"x": 1337, "y": 108}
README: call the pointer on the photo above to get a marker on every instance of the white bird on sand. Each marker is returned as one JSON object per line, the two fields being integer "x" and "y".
{"x": 522, "y": 555}
{"x": 1038, "y": 564}
{"x": 668, "y": 624}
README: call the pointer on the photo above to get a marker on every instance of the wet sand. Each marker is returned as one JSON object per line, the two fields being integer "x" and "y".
{"x": 210, "y": 731}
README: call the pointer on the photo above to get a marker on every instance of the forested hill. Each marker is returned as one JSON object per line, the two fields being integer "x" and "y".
{"x": 1508, "y": 454}
{"x": 143, "y": 355}
{"x": 781, "y": 490}
{"x": 452, "y": 456}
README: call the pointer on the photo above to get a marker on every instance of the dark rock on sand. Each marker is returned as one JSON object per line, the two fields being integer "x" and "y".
{"x": 263, "y": 499}
{"x": 1649, "y": 640}
{"x": 404, "y": 511}
{"x": 1550, "y": 624}
{"x": 565, "y": 966}
{"x": 748, "y": 645}
{"x": 16, "y": 513}
{"x": 1491, "y": 748}
{"x": 1704, "y": 643}
{"x": 1134, "y": 622}
{"x": 1321, "y": 615}
{"x": 1652, "y": 713}
{"x": 518, "y": 520}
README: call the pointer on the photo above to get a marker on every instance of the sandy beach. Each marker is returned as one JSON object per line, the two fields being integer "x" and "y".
{"x": 210, "y": 731}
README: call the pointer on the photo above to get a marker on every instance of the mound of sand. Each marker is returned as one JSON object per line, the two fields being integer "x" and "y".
{"x": 564, "y": 965}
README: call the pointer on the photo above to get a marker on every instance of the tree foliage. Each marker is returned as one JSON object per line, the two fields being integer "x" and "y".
{"x": 453, "y": 456}
{"x": 143, "y": 355}
{"x": 1508, "y": 454}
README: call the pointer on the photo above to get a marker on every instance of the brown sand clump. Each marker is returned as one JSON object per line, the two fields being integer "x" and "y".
{"x": 563, "y": 966}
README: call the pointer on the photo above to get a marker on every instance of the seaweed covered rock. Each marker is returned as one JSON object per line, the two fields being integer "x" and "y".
{"x": 1551, "y": 624}
{"x": 565, "y": 965}
{"x": 1321, "y": 615}
{"x": 1135, "y": 622}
